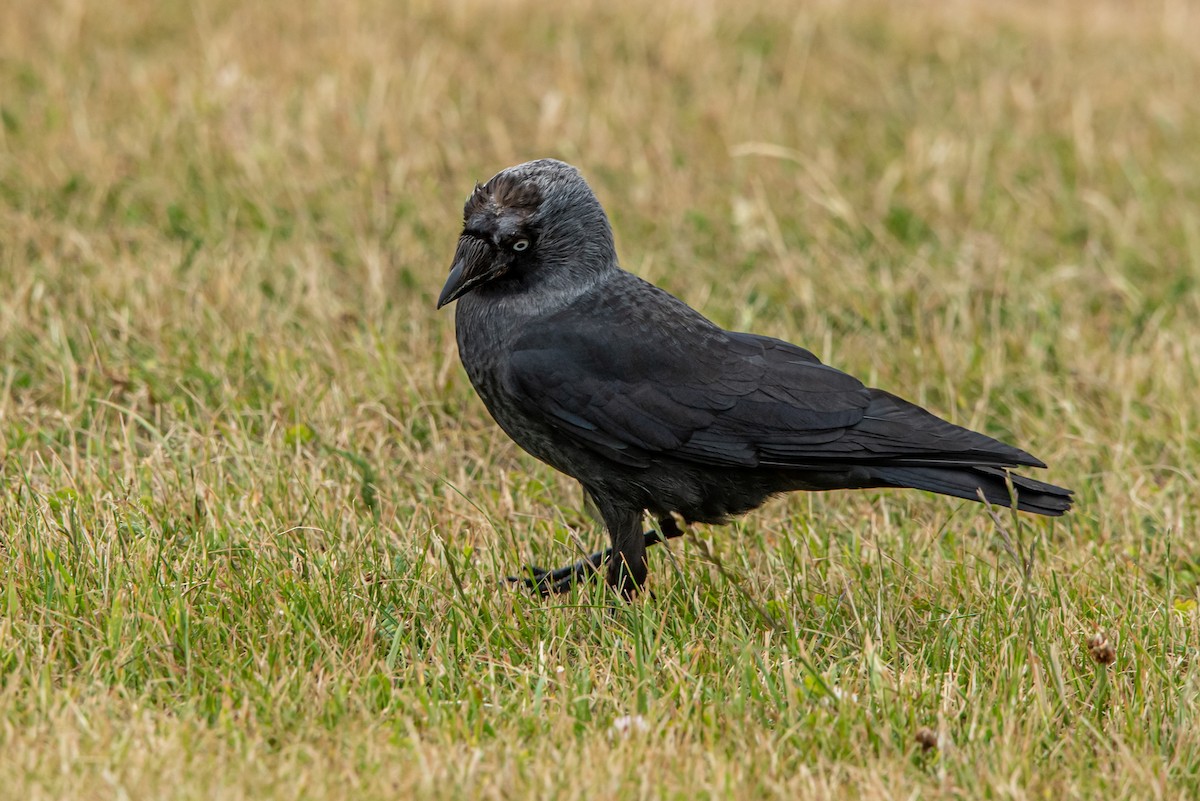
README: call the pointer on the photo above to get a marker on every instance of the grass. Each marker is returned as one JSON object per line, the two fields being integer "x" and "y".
{"x": 252, "y": 517}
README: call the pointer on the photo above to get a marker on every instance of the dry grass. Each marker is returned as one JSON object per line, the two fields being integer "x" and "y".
{"x": 252, "y": 516}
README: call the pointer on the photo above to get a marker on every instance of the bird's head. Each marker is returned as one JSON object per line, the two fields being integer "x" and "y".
{"x": 535, "y": 222}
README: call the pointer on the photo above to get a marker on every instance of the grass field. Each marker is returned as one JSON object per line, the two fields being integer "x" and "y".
{"x": 253, "y": 519}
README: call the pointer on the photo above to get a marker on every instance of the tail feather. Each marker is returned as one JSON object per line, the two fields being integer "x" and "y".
{"x": 1032, "y": 495}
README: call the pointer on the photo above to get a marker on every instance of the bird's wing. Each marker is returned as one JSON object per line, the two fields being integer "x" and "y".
{"x": 704, "y": 395}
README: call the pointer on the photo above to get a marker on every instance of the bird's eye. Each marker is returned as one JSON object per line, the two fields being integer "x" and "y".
{"x": 520, "y": 245}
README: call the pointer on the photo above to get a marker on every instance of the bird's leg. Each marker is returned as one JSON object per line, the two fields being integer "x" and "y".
{"x": 668, "y": 529}
{"x": 559, "y": 580}
{"x": 627, "y": 565}
{"x": 549, "y": 582}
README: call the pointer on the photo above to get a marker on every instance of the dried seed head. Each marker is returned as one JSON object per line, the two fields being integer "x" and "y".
{"x": 1101, "y": 648}
{"x": 927, "y": 738}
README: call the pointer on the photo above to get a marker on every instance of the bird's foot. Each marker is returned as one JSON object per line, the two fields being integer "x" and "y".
{"x": 560, "y": 580}
{"x": 555, "y": 582}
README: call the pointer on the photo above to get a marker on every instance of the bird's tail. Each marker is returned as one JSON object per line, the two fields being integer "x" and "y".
{"x": 1033, "y": 496}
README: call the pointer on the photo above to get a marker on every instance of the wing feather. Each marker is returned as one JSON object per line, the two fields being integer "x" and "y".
{"x": 712, "y": 397}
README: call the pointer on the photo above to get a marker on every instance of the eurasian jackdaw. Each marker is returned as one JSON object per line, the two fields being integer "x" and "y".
{"x": 652, "y": 407}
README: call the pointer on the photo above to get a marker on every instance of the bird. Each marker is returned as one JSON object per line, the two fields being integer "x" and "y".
{"x": 654, "y": 409}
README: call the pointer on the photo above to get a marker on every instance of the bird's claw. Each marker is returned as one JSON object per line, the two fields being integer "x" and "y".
{"x": 535, "y": 580}
{"x": 560, "y": 580}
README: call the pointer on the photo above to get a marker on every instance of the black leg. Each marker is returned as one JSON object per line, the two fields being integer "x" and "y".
{"x": 552, "y": 582}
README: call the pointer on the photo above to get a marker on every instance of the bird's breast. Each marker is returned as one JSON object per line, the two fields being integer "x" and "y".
{"x": 486, "y": 333}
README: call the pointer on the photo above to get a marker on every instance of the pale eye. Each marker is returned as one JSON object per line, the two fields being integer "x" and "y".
{"x": 520, "y": 244}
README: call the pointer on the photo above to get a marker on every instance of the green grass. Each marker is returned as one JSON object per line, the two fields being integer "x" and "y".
{"x": 253, "y": 519}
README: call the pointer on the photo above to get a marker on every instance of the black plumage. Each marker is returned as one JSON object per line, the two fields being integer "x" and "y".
{"x": 652, "y": 407}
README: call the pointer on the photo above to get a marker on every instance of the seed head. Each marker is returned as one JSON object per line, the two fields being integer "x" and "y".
{"x": 1101, "y": 648}
{"x": 927, "y": 738}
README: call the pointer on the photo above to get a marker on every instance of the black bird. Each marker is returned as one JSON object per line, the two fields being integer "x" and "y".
{"x": 652, "y": 407}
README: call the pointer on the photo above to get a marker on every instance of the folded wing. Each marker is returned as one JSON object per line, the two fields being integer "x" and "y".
{"x": 726, "y": 399}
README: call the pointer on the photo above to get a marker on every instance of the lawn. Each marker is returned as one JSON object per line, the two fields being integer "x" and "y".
{"x": 254, "y": 522}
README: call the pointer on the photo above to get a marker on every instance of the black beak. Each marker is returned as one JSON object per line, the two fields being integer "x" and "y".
{"x": 473, "y": 262}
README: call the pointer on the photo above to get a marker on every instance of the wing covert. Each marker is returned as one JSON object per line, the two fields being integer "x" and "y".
{"x": 734, "y": 400}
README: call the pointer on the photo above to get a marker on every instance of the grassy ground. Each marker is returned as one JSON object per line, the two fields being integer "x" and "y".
{"x": 252, "y": 517}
